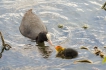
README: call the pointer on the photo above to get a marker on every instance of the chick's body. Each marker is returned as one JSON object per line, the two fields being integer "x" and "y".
{"x": 67, "y": 53}
{"x": 70, "y": 53}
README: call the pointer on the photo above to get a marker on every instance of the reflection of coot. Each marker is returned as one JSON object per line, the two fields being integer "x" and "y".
{"x": 0, "y": 55}
{"x": 45, "y": 51}
{"x": 67, "y": 53}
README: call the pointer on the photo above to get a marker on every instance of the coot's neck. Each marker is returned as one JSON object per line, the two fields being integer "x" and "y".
{"x": 41, "y": 37}
{"x": 39, "y": 41}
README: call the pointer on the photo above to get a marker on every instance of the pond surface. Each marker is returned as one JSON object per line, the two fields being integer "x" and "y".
{"x": 72, "y": 14}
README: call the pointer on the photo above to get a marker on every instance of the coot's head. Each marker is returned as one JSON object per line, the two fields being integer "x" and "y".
{"x": 59, "y": 48}
{"x": 43, "y": 36}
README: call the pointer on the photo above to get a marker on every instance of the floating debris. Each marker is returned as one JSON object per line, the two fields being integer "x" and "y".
{"x": 102, "y": 54}
{"x": 85, "y": 26}
{"x": 104, "y": 60}
{"x": 83, "y": 47}
{"x": 104, "y": 46}
{"x": 60, "y": 26}
{"x": 103, "y": 7}
{"x": 98, "y": 52}
{"x": 5, "y": 46}
{"x": 83, "y": 61}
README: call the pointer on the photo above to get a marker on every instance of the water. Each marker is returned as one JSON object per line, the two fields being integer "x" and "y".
{"x": 73, "y": 14}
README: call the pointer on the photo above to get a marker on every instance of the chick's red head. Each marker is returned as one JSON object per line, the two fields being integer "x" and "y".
{"x": 59, "y": 48}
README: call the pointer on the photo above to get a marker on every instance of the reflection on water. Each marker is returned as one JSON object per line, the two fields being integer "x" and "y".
{"x": 73, "y": 14}
{"x": 44, "y": 50}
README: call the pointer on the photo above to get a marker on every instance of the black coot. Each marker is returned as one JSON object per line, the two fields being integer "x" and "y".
{"x": 33, "y": 28}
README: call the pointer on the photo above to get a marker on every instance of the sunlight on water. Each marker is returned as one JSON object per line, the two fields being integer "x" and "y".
{"x": 72, "y": 14}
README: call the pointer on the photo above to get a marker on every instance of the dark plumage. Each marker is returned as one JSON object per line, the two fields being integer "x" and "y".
{"x": 33, "y": 28}
{"x": 67, "y": 53}
{"x": 41, "y": 37}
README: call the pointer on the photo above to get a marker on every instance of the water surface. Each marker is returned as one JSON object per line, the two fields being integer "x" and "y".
{"x": 73, "y": 14}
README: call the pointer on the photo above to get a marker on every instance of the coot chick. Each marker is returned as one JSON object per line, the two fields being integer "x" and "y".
{"x": 66, "y": 53}
{"x": 32, "y": 27}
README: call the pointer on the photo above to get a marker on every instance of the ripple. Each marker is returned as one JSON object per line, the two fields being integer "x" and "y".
{"x": 73, "y": 14}
{"x": 54, "y": 15}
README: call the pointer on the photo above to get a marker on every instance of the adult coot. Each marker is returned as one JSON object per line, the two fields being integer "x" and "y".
{"x": 33, "y": 28}
{"x": 67, "y": 53}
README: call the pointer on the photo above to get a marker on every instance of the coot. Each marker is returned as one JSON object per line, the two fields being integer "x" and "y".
{"x": 32, "y": 27}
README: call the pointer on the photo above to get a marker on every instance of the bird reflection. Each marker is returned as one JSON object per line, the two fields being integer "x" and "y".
{"x": 44, "y": 50}
{"x": 4, "y": 45}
